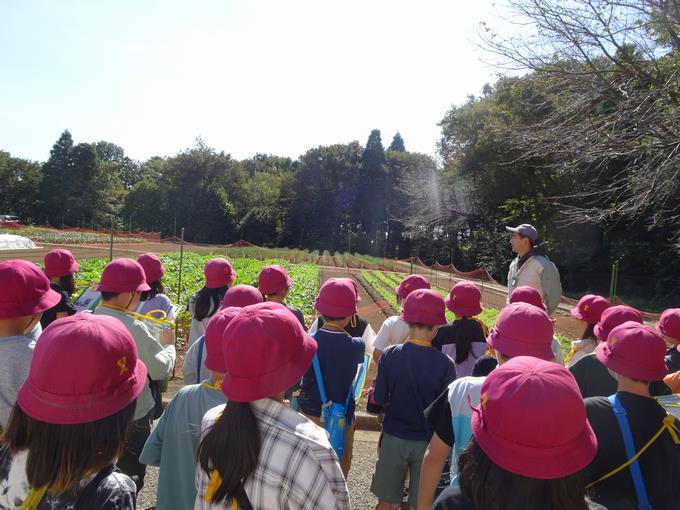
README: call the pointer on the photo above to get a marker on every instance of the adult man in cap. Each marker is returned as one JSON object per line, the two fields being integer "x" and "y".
{"x": 531, "y": 268}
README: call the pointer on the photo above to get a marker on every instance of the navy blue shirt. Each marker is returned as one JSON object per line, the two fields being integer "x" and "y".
{"x": 405, "y": 396}
{"x": 339, "y": 356}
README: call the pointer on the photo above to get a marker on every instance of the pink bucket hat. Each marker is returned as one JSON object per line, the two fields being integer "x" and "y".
{"x": 240, "y": 296}
{"x": 464, "y": 299}
{"x": 411, "y": 283}
{"x": 669, "y": 323}
{"x": 522, "y": 330}
{"x": 273, "y": 279}
{"x": 218, "y": 273}
{"x": 123, "y": 275}
{"x": 590, "y": 308}
{"x": 84, "y": 368}
{"x": 424, "y": 306}
{"x": 214, "y": 334}
{"x": 336, "y": 298}
{"x": 60, "y": 263}
{"x": 355, "y": 285}
{"x": 152, "y": 265}
{"x": 615, "y": 316}
{"x": 266, "y": 351}
{"x": 25, "y": 290}
{"x": 635, "y": 351}
{"x": 526, "y": 294}
{"x": 532, "y": 420}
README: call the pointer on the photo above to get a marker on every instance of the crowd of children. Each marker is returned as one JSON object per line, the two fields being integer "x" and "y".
{"x": 267, "y": 416}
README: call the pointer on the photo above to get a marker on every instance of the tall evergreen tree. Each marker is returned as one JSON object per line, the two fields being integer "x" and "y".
{"x": 397, "y": 143}
{"x": 53, "y": 186}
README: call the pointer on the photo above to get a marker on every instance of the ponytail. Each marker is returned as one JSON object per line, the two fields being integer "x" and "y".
{"x": 208, "y": 301}
{"x": 232, "y": 448}
{"x": 589, "y": 333}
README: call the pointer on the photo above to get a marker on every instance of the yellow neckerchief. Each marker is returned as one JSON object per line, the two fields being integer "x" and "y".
{"x": 668, "y": 424}
{"x": 33, "y": 498}
{"x": 213, "y": 485}
{"x": 334, "y": 328}
{"x": 574, "y": 350}
{"x": 217, "y": 386}
{"x": 421, "y": 342}
{"x": 135, "y": 315}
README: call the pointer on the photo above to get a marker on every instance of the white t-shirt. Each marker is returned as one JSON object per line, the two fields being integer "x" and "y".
{"x": 392, "y": 332}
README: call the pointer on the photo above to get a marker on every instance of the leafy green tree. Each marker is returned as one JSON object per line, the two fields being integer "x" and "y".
{"x": 20, "y": 187}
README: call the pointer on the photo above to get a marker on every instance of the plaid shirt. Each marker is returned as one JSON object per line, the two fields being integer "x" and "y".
{"x": 297, "y": 468}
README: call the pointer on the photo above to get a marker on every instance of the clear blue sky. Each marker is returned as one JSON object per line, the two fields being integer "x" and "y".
{"x": 277, "y": 77}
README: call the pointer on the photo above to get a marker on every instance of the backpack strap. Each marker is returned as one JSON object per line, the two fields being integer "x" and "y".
{"x": 201, "y": 344}
{"x": 624, "y": 426}
{"x": 325, "y": 404}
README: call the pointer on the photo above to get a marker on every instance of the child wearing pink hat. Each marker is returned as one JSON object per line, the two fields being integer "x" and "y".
{"x": 154, "y": 299}
{"x": 526, "y": 294}
{"x": 194, "y": 369}
{"x": 521, "y": 330}
{"x": 70, "y": 419}
{"x": 274, "y": 284}
{"x": 174, "y": 440}
{"x": 339, "y": 357}
{"x": 530, "y": 443}
{"x": 464, "y": 339}
{"x": 394, "y": 330}
{"x": 60, "y": 266}
{"x": 25, "y": 295}
{"x": 284, "y": 460}
{"x": 121, "y": 286}
{"x": 631, "y": 424}
{"x": 357, "y": 327}
{"x": 410, "y": 376}
{"x": 219, "y": 276}
{"x": 592, "y": 376}
{"x": 589, "y": 311}
{"x": 669, "y": 328}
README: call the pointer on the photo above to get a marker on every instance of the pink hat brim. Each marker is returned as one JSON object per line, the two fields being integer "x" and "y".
{"x": 630, "y": 368}
{"x": 76, "y": 409}
{"x": 462, "y": 311}
{"x": 271, "y": 289}
{"x": 576, "y": 313}
{"x": 58, "y": 274}
{"x": 249, "y": 389}
{"x": 513, "y": 347}
{"x": 541, "y": 463}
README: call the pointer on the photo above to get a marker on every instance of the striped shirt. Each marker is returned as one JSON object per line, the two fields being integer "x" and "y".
{"x": 297, "y": 467}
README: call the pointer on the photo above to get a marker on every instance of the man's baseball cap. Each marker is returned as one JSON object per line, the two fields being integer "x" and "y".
{"x": 525, "y": 230}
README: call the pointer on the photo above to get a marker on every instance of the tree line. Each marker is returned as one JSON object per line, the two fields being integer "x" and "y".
{"x": 584, "y": 144}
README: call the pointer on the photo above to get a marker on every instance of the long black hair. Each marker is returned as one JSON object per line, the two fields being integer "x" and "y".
{"x": 232, "y": 447}
{"x": 156, "y": 288}
{"x": 467, "y": 331}
{"x": 589, "y": 333}
{"x": 491, "y": 487}
{"x": 68, "y": 283}
{"x": 208, "y": 301}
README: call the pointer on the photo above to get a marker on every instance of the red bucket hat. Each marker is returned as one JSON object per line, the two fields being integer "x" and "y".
{"x": 615, "y": 316}
{"x": 266, "y": 352}
{"x": 464, "y": 299}
{"x": 336, "y": 298}
{"x": 634, "y": 350}
{"x": 218, "y": 273}
{"x": 214, "y": 358}
{"x": 590, "y": 308}
{"x": 526, "y": 294}
{"x": 532, "y": 420}
{"x": 152, "y": 265}
{"x": 60, "y": 263}
{"x": 411, "y": 283}
{"x": 355, "y": 285}
{"x": 240, "y": 296}
{"x": 424, "y": 306}
{"x": 669, "y": 323}
{"x": 522, "y": 330}
{"x": 123, "y": 275}
{"x": 273, "y": 279}
{"x": 84, "y": 368}
{"x": 25, "y": 290}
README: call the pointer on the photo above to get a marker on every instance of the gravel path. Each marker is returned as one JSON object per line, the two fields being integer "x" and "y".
{"x": 359, "y": 482}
